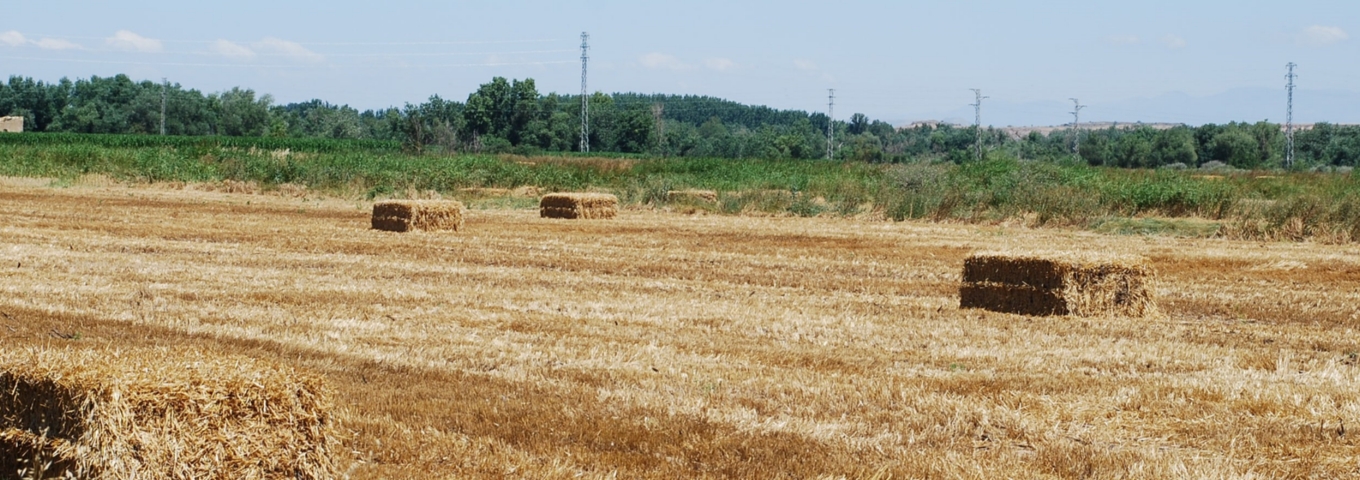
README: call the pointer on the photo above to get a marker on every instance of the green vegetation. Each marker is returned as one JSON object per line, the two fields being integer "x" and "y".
{"x": 1324, "y": 206}
{"x": 1197, "y": 181}
{"x": 315, "y": 145}
{"x": 512, "y": 116}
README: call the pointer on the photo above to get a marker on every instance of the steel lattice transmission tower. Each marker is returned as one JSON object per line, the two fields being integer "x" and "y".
{"x": 165, "y": 85}
{"x": 585, "y": 96}
{"x": 830, "y": 124}
{"x": 977, "y": 121}
{"x": 1076, "y": 127}
{"x": 1289, "y": 118}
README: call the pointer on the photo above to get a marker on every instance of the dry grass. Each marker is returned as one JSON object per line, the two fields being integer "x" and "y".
{"x": 578, "y": 206}
{"x": 1080, "y": 283}
{"x": 485, "y": 192}
{"x": 409, "y": 215}
{"x": 291, "y": 190}
{"x": 160, "y": 413}
{"x": 669, "y": 346}
{"x": 692, "y": 196}
{"x": 237, "y": 186}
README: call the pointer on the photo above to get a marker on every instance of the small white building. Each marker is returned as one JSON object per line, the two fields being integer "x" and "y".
{"x": 12, "y": 124}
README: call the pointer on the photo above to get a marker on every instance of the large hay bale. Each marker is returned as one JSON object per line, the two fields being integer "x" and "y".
{"x": 407, "y": 215}
{"x": 1058, "y": 283}
{"x": 161, "y": 413}
{"x": 578, "y": 205}
{"x": 691, "y": 196}
{"x": 12, "y": 124}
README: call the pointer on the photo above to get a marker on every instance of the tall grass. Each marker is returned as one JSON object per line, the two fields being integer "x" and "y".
{"x": 1246, "y": 204}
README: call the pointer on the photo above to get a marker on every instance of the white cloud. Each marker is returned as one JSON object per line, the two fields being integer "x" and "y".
{"x": 57, "y": 44}
{"x": 1124, "y": 39}
{"x": 12, "y": 38}
{"x": 233, "y": 50}
{"x": 802, "y": 64}
{"x": 1173, "y": 41}
{"x": 720, "y": 64}
{"x": 125, "y": 40}
{"x": 287, "y": 49}
{"x": 661, "y": 60}
{"x": 1320, "y": 36}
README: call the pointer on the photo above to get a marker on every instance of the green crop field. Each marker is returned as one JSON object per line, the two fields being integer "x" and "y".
{"x": 1239, "y": 203}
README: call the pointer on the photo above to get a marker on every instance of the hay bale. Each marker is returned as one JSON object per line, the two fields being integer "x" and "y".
{"x": 692, "y": 196}
{"x": 407, "y": 215}
{"x": 161, "y": 413}
{"x": 12, "y": 124}
{"x": 1055, "y": 283}
{"x": 578, "y": 205}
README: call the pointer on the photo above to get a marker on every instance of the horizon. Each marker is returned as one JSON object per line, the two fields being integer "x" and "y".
{"x": 1212, "y": 62}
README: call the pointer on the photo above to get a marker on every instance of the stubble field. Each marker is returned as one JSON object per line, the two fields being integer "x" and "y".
{"x": 665, "y": 345}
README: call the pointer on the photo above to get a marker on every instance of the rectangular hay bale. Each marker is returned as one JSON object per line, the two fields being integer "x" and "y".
{"x": 162, "y": 413}
{"x": 1058, "y": 283}
{"x": 408, "y": 215}
{"x": 578, "y": 206}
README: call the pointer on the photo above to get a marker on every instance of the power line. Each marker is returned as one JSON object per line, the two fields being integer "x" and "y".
{"x": 359, "y": 55}
{"x": 977, "y": 120}
{"x": 657, "y": 110}
{"x": 460, "y": 42}
{"x": 1289, "y": 118}
{"x": 382, "y": 55}
{"x": 830, "y": 123}
{"x": 1076, "y": 128}
{"x": 585, "y": 97}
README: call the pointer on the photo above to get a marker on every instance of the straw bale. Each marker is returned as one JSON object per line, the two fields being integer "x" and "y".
{"x": 1058, "y": 283}
{"x": 578, "y": 205}
{"x": 407, "y": 215}
{"x": 12, "y": 124}
{"x": 692, "y": 196}
{"x": 162, "y": 413}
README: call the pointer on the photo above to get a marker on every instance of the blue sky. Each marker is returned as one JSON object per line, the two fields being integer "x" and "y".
{"x": 1152, "y": 60}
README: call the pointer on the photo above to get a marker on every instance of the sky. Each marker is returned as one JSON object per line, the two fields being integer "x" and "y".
{"x": 1188, "y": 61}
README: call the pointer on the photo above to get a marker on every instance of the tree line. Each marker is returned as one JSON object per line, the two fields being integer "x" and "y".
{"x": 506, "y": 115}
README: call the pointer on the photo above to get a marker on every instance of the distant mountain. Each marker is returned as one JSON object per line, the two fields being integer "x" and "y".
{"x": 1241, "y": 105}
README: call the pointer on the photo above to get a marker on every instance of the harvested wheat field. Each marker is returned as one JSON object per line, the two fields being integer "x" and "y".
{"x": 671, "y": 346}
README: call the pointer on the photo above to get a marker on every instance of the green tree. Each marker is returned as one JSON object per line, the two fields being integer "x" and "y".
{"x": 858, "y": 124}
{"x": 1134, "y": 149}
{"x": 240, "y": 114}
{"x": 635, "y": 130}
{"x": 1236, "y": 147}
{"x": 1176, "y": 145}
